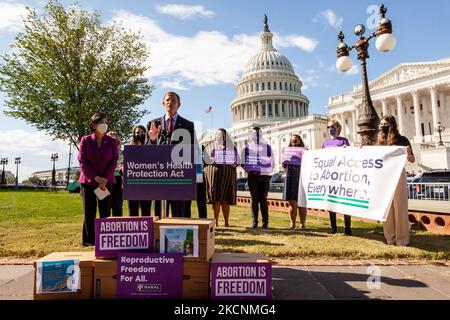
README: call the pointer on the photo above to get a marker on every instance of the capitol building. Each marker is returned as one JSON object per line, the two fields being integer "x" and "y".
{"x": 418, "y": 95}
{"x": 269, "y": 95}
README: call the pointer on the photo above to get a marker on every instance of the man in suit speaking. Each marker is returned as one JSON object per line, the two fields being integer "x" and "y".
{"x": 163, "y": 130}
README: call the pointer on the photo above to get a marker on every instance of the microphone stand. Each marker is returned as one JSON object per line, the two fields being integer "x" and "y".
{"x": 165, "y": 139}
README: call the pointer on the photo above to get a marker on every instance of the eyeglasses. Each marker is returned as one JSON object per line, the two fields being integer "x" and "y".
{"x": 329, "y": 127}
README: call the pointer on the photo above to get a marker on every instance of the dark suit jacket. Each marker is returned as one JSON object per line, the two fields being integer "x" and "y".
{"x": 179, "y": 208}
{"x": 181, "y": 123}
{"x": 97, "y": 162}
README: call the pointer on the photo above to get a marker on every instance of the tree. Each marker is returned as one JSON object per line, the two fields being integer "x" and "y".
{"x": 67, "y": 65}
{"x": 31, "y": 180}
{"x": 10, "y": 178}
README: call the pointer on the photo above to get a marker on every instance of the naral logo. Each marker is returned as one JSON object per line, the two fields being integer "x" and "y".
{"x": 149, "y": 287}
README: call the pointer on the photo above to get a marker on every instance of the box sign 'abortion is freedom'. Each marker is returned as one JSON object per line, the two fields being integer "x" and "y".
{"x": 113, "y": 235}
{"x": 249, "y": 281}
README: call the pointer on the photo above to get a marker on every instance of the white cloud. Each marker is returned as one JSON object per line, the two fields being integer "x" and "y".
{"x": 301, "y": 42}
{"x": 354, "y": 70}
{"x": 184, "y": 12}
{"x": 172, "y": 85}
{"x": 11, "y": 15}
{"x": 35, "y": 149}
{"x": 329, "y": 17}
{"x": 311, "y": 79}
{"x": 206, "y": 58}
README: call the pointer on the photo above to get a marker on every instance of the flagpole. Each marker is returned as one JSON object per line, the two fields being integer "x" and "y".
{"x": 212, "y": 121}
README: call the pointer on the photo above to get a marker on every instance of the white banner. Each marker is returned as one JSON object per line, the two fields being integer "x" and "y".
{"x": 356, "y": 181}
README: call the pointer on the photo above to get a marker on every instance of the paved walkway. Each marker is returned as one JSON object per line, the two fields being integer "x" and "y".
{"x": 316, "y": 282}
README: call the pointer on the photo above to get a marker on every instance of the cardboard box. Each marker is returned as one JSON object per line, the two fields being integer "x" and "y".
{"x": 241, "y": 276}
{"x": 195, "y": 279}
{"x": 206, "y": 233}
{"x": 227, "y": 257}
{"x": 105, "y": 279}
{"x": 86, "y": 273}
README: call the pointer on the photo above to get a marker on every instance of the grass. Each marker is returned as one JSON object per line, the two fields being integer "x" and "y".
{"x": 36, "y": 223}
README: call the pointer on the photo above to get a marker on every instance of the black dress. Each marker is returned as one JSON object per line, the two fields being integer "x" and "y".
{"x": 291, "y": 183}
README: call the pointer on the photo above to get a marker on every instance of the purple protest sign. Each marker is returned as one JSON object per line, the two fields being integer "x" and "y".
{"x": 225, "y": 156}
{"x": 258, "y": 157}
{"x": 241, "y": 280}
{"x": 153, "y": 275}
{"x": 293, "y": 155}
{"x": 113, "y": 235}
{"x": 150, "y": 173}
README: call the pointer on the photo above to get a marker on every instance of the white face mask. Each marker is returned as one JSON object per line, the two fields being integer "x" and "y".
{"x": 102, "y": 128}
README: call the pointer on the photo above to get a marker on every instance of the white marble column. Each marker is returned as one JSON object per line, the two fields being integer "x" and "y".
{"x": 417, "y": 117}
{"x": 443, "y": 108}
{"x": 280, "y": 108}
{"x": 400, "y": 115}
{"x": 434, "y": 107}
{"x": 341, "y": 121}
{"x": 267, "y": 109}
{"x": 259, "y": 109}
{"x": 384, "y": 107}
{"x": 425, "y": 114}
{"x": 354, "y": 127}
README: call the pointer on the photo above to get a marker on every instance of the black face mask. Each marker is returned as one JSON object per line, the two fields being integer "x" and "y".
{"x": 385, "y": 129}
{"x": 140, "y": 138}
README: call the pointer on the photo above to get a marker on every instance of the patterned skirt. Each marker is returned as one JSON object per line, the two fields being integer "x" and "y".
{"x": 221, "y": 184}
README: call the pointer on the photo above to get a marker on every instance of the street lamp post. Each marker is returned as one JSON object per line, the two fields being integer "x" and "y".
{"x": 368, "y": 118}
{"x": 68, "y": 166}
{"x": 54, "y": 158}
{"x": 17, "y": 162}
{"x": 4, "y": 161}
{"x": 439, "y": 129}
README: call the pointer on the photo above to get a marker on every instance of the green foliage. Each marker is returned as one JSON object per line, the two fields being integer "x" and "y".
{"x": 31, "y": 180}
{"x": 10, "y": 179}
{"x": 66, "y": 66}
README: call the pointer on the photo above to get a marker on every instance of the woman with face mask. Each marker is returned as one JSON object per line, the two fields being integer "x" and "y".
{"x": 221, "y": 176}
{"x": 98, "y": 155}
{"x": 291, "y": 183}
{"x": 396, "y": 226}
{"x": 334, "y": 140}
{"x": 138, "y": 139}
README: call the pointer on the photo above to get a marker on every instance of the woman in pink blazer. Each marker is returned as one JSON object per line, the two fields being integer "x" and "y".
{"x": 98, "y": 156}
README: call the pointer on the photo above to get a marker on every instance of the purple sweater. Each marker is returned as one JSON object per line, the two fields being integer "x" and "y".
{"x": 96, "y": 161}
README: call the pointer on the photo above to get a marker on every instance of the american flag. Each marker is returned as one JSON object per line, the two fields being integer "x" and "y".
{"x": 208, "y": 110}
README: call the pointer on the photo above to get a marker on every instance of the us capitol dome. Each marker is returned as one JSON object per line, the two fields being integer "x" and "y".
{"x": 269, "y": 90}
{"x": 269, "y": 95}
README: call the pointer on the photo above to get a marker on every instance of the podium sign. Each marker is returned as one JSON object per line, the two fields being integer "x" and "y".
{"x": 154, "y": 173}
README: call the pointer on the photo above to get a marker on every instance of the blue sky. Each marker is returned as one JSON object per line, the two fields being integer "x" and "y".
{"x": 198, "y": 48}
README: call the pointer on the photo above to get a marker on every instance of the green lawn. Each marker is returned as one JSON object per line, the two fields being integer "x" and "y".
{"x": 33, "y": 224}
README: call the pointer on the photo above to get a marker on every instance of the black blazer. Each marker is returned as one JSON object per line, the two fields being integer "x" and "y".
{"x": 181, "y": 123}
